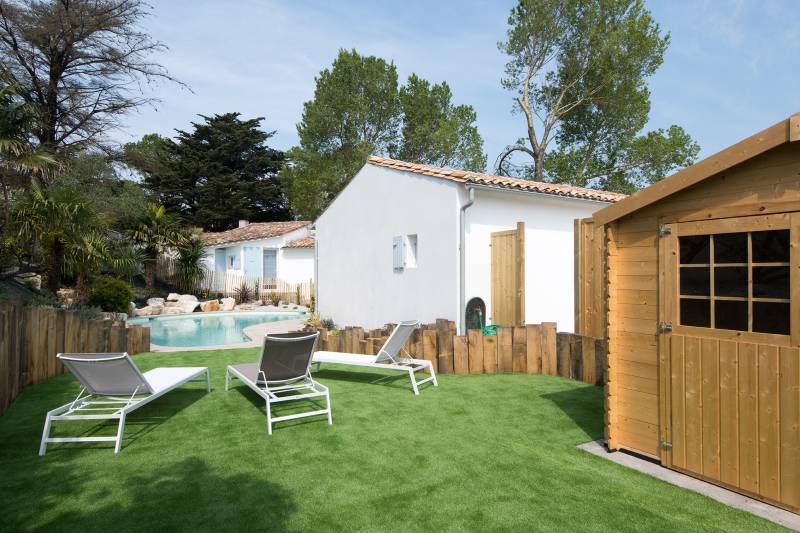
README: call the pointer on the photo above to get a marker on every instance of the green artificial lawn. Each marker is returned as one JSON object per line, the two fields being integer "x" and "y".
{"x": 483, "y": 452}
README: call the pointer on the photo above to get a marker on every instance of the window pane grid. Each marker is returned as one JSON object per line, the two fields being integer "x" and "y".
{"x": 754, "y": 263}
{"x": 717, "y": 280}
{"x": 711, "y": 275}
{"x": 750, "y": 282}
{"x": 736, "y": 298}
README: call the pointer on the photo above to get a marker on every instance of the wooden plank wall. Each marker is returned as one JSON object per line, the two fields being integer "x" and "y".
{"x": 30, "y": 338}
{"x": 769, "y": 183}
{"x": 590, "y": 279}
{"x": 531, "y": 349}
{"x": 736, "y": 415}
{"x": 507, "y": 277}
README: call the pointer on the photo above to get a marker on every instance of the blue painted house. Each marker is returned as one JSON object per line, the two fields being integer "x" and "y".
{"x": 267, "y": 250}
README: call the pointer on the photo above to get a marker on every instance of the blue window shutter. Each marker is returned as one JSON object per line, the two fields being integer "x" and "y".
{"x": 270, "y": 263}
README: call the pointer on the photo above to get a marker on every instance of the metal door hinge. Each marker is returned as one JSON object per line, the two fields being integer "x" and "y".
{"x": 665, "y": 445}
{"x": 664, "y": 231}
{"x": 664, "y": 327}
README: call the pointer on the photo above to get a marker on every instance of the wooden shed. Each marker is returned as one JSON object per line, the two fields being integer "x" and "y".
{"x": 695, "y": 282}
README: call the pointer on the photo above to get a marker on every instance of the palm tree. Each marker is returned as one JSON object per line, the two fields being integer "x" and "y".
{"x": 85, "y": 254}
{"x": 190, "y": 270}
{"x": 157, "y": 232}
{"x": 19, "y": 159}
{"x": 54, "y": 218}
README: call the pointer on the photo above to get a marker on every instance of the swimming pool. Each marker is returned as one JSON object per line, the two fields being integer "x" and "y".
{"x": 216, "y": 329}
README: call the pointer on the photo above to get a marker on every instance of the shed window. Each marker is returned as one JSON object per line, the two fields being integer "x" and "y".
{"x": 736, "y": 281}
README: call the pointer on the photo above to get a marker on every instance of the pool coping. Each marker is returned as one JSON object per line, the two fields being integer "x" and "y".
{"x": 254, "y": 332}
{"x": 262, "y": 309}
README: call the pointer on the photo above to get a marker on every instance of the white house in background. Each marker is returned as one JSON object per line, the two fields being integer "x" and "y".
{"x": 272, "y": 250}
{"x": 406, "y": 241}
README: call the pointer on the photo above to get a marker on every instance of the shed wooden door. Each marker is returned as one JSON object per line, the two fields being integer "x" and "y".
{"x": 730, "y": 366}
{"x": 508, "y": 276}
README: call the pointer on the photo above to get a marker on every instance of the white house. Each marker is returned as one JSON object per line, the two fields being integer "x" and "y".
{"x": 389, "y": 247}
{"x": 270, "y": 250}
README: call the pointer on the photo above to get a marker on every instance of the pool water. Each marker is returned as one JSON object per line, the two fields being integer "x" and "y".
{"x": 218, "y": 329}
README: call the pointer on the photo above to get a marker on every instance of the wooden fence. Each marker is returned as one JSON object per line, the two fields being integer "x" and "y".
{"x": 532, "y": 349}
{"x": 228, "y": 284}
{"x": 30, "y": 338}
{"x": 591, "y": 316}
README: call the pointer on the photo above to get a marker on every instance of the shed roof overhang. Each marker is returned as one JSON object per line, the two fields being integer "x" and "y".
{"x": 785, "y": 131}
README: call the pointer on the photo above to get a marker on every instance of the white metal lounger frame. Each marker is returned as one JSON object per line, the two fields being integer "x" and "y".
{"x": 109, "y": 408}
{"x": 271, "y": 390}
{"x": 394, "y": 345}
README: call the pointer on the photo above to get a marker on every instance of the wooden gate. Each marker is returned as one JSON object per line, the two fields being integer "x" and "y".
{"x": 729, "y": 362}
{"x": 508, "y": 276}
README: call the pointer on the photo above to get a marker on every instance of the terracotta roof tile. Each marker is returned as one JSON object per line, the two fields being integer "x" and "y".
{"x": 306, "y": 242}
{"x": 501, "y": 182}
{"x": 253, "y": 231}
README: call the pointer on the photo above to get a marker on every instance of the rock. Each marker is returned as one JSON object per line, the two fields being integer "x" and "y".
{"x": 188, "y": 302}
{"x": 172, "y": 311}
{"x": 227, "y": 304}
{"x": 150, "y": 310}
{"x": 64, "y": 293}
{"x": 173, "y": 297}
{"x": 173, "y": 304}
{"x": 209, "y": 306}
{"x": 155, "y": 301}
{"x": 29, "y": 279}
{"x": 244, "y": 307}
{"x": 67, "y": 295}
{"x": 131, "y": 309}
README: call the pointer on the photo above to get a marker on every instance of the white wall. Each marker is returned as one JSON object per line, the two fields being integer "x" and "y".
{"x": 549, "y": 250}
{"x": 356, "y": 283}
{"x": 296, "y": 265}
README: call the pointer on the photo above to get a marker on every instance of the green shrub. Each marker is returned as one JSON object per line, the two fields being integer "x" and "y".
{"x": 110, "y": 295}
{"x": 272, "y": 297}
{"x": 44, "y": 298}
{"x": 244, "y": 293}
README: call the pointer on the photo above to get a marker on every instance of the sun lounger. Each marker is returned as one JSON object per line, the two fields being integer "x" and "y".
{"x": 282, "y": 374}
{"x": 115, "y": 389}
{"x": 388, "y": 357}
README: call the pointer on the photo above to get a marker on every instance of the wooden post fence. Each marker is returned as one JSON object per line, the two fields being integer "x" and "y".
{"x": 30, "y": 338}
{"x": 532, "y": 349}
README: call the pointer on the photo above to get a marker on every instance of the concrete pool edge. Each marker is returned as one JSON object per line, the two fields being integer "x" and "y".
{"x": 142, "y": 320}
{"x": 255, "y": 332}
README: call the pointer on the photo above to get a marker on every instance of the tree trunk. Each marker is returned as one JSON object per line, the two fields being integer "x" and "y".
{"x": 55, "y": 264}
{"x": 538, "y": 165}
{"x": 82, "y": 286}
{"x": 6, "y": 214}
{"x": 6, "y": 208}
{"x": 150, "y": 271}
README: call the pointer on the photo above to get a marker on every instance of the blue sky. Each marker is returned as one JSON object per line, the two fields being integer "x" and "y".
{"x": 732, "y": 68}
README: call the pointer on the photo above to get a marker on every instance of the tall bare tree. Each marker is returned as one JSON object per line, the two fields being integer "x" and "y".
{"x": 579, "y": 70}
{"x": 81, "y": 63}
